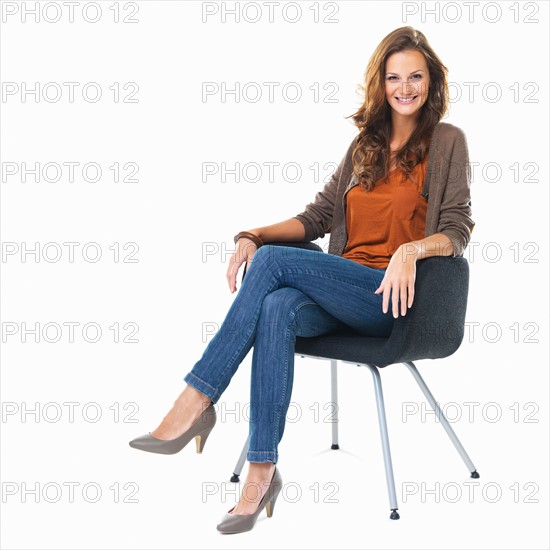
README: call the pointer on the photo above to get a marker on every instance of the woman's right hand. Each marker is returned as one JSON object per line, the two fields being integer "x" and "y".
{"x": 244, "y": 251}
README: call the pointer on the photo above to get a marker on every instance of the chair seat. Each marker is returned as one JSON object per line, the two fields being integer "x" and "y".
{"x": 345, "y": 346}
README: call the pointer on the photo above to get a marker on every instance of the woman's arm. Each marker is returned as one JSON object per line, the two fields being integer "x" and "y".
{"x": 312, "y": 223}
{"x": 317, "y": 216}
{"x": 455, "y": 214}
{"x": 437, "y": 244}
{"x": 288, "y": 230}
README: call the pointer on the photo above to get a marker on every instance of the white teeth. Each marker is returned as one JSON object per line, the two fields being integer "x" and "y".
{"x": 407, "y": 100}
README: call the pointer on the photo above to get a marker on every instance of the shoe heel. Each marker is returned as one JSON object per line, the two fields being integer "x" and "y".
{"x": 200, "y": 440}
{"x": 270, "y": 506}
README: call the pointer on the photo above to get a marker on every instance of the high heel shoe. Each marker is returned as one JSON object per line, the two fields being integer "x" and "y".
{"x": 200, "y": 430}
{"x": 239, "y": 523}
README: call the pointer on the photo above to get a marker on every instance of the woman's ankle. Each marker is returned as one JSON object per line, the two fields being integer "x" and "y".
{"x": 262, "y": 470}
{"x": 195, "y": 397}
{"x": 189, "y": 406}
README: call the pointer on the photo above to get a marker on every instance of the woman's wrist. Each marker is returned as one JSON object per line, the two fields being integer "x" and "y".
{"x": 249, "y": 235}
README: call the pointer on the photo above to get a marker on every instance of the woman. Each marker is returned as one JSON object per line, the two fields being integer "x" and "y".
{"x": 400, "y": 194}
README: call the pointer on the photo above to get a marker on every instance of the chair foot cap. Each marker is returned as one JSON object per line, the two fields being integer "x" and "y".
{"x": 394, "y": 515}
{"x": 234, "y": 478}
{"x": 335, "y": 446}
{"x": 474, "y": 474}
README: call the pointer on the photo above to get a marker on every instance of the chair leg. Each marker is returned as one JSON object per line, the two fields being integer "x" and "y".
{"x": 385, "y": 440}
{"x": 240, "y": 463}
{"x": 441, "y": 416}
{"x": 334, "y": 399}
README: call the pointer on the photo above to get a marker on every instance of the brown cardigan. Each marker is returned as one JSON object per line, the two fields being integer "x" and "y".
{"x": 446, "y": 187}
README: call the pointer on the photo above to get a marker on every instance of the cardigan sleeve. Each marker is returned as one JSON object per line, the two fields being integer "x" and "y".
{"x": 317, "y": 216}
{"x": 455, "y": 212}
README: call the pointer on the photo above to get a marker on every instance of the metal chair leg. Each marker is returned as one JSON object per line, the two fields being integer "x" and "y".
{"x": 240, "y": 463}
{"x": 441, "y": 416}
{"x": 385, "y": 440}
{"x": 334, "y": 399}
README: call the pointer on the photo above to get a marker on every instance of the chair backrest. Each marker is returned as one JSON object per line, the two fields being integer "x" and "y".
{"x": 434, "y": 326}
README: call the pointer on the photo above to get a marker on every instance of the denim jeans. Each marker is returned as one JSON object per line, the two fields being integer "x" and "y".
{"x": 287, "y": 292}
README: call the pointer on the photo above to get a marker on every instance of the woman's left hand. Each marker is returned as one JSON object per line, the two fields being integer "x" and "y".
{"x": 399, "y": 280}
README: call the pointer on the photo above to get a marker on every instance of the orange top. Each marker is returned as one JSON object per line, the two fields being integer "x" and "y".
{"x": 381, "y": 220}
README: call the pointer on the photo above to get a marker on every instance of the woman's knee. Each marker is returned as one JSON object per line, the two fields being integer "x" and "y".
{"x": 266, "y": 250}
{"x": 274, "y": 254}
{"x": 282, "y": 304}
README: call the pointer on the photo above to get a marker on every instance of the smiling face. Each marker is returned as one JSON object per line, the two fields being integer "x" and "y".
{"x": 407, "y": 82}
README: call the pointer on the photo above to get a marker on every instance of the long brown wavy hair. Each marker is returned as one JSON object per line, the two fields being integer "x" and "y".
{"x": 371, "y": 155}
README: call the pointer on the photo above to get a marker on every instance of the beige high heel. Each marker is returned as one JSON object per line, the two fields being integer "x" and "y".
{"x": 239, "y": 523}
{"x": 200, "y": 430}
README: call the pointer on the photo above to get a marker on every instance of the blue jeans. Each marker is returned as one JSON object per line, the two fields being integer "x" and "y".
{"x": 287, "y": 292}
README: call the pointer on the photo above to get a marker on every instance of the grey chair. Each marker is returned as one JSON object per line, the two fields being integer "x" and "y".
{"x": 432, "y": 329}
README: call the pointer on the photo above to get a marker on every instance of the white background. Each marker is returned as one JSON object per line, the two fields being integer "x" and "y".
{"x": 173, "y": 213}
